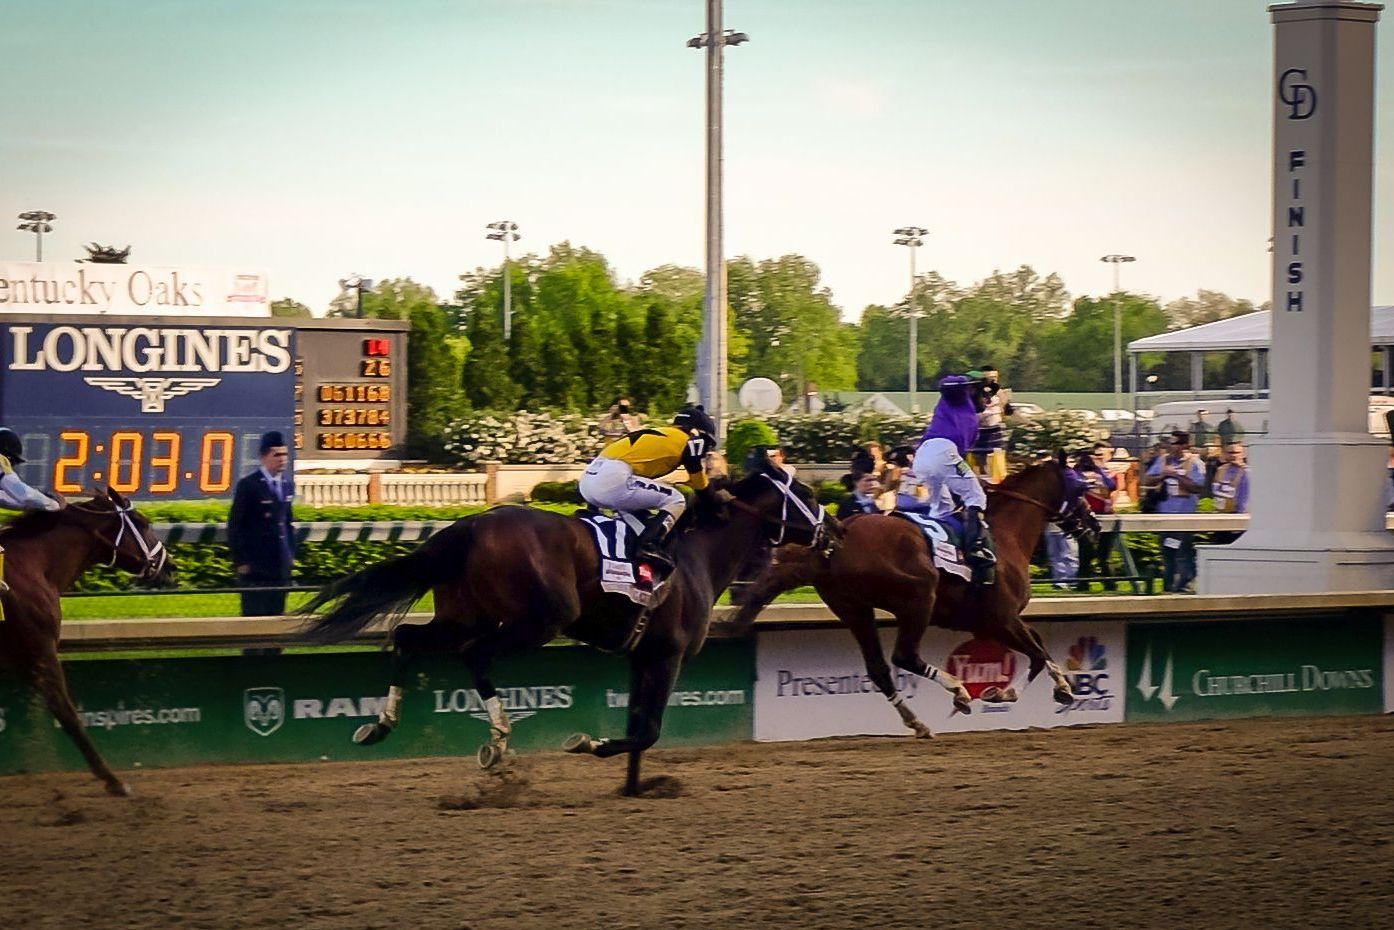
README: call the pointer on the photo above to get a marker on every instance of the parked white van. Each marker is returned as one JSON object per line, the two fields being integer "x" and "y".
{"x": 1250, "y": 413}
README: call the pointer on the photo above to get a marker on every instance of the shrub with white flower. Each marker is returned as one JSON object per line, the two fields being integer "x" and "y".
{"x": 522, "y": 438}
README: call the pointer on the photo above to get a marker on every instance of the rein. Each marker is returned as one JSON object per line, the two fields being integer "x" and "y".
{"x": 1018, "y": 496}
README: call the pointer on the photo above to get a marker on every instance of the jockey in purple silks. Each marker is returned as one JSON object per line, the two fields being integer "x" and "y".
{"x": 940, "y": 467}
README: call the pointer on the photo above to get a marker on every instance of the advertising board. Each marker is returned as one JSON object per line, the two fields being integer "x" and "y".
{"x": 305, "y": 707}
{"x": 88, "y": 287}
{"x": 813, "y": 683}
{"x": 1195, "y": 671}
{"x": 159, "y": 408}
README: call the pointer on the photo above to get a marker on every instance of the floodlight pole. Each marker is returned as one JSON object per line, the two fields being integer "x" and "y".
{"x": 912, "y": 236}
{"x": 1115, "y": 261}
{"x": 37, "y": 222}
{"x": 505, "y": 231}
{"x": 711, "y": 354}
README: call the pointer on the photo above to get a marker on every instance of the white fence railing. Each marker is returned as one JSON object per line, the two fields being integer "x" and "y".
{"x": 435, "y": 490}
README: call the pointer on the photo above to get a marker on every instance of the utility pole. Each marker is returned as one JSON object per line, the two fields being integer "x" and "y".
{"x": 1115, "y": 261}
{"x": 711, "y": 354}
{"x": 37, "y": 222}
{"x": 913, "y": 237}
{"x": 505, "y": 231}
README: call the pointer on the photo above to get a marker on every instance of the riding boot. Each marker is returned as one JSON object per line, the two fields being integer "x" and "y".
{"x": 978, "y": 547}
{"x": 650, "y": 542}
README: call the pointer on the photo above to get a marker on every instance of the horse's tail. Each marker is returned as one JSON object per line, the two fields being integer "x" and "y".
{"x": 792, "y": 568}
{"x": 385, "y": 590}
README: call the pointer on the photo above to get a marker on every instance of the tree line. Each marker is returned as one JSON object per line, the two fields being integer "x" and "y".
{"x": 580, "y": 338}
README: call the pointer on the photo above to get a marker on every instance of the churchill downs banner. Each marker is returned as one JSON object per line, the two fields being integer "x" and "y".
{"x": 74, "y": 287}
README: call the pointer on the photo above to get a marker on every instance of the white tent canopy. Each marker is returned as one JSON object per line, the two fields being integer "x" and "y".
{"x": 1250, "y": 331}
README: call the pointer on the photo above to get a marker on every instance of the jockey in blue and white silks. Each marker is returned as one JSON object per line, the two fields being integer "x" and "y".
{"x": 940, "y": 466}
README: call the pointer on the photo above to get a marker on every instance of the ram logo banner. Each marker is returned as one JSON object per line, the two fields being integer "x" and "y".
{"x": 153, "y": 392}
{"x": 264, "y": 710}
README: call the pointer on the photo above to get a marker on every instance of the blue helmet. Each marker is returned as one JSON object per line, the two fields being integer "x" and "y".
{"x": 696, "y": 419}
{"x": 10, "y": 446}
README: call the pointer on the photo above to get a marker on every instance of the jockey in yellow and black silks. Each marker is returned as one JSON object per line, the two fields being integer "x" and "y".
{"x": 624, "y": 476}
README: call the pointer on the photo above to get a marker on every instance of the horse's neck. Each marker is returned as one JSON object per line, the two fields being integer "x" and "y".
{"x": 713, "y": 556}
{"x": 62, "y": 555}
{"x": 1019, "y": 522}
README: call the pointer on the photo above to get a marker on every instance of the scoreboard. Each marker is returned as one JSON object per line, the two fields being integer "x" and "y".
{"x": 350, "y": 391}
{"x": 173, "y": 408}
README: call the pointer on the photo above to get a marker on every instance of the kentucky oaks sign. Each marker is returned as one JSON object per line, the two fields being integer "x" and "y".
{"x": 84, "y": 287}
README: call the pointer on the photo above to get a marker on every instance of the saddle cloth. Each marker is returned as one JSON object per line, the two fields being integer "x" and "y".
{"x": 945, "y": 539}
{"x": 615, "y": 539}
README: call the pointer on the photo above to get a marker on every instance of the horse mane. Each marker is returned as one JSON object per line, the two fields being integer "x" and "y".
{"x": 32, "y": 523}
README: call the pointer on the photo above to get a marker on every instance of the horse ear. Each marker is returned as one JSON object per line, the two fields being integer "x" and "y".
{"x": 115, "y": 497}
{"x": 1061, "y": 458}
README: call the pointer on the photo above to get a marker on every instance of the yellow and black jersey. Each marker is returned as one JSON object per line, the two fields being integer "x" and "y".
{"x": 5, "y": 466}
{"x": 654, "y": 451}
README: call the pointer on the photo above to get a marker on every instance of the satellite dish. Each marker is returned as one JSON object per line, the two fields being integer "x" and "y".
{"x": 760, "y": 395}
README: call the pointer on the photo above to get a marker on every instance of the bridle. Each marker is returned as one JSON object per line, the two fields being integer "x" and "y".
{"x": 814, "y": 520}
{"x": 155, "y": 556}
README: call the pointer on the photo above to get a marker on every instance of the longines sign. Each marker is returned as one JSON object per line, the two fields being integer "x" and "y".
{"x": 73, "y": 287}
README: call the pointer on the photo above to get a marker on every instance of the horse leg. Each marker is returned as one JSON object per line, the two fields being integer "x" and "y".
{"x": 479, "y": 657}
{"x": 409, "y": 641}
{"x": 49, "y": 680}
{"x": 650, "y": 684}
{"x": 1025, "y": 640}
{"x": 911, "y": 625}
{"x": 861, "y": 620}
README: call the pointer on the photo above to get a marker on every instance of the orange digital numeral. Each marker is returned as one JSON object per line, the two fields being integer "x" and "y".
{"x": 65, "y": 464}
{"x": 169, "y": 462}
{"x": 206, "y": 481}
{"x": 129, "y": 461}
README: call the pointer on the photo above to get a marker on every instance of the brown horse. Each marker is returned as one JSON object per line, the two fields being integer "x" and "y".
{"x": 45, "y": 554}
{"x": 884, "y": 562}
{"x": 515, "y": 578}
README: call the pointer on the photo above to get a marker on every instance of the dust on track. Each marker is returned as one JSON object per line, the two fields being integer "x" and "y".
{"x": 1254, "y": 823}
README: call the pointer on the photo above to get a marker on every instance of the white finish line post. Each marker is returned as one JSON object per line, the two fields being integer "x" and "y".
{"x": 1319, "y": 478}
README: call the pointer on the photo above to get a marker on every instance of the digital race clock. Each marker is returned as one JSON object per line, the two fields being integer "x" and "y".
{"x": 162, "y": 407}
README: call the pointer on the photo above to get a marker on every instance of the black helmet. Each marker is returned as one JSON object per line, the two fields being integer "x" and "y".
{"x": 695, "y": 418}
{"x": 10, "y": 446}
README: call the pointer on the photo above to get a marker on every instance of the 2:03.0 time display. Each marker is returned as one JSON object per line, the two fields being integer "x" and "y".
{"x": 141, "y": 462}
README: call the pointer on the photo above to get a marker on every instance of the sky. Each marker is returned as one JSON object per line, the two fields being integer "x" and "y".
{"x": 319, "y": 138}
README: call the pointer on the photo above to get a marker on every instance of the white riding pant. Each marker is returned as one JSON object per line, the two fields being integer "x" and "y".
{"x": 612, "y": 483}
{"x": 942, "y": 470}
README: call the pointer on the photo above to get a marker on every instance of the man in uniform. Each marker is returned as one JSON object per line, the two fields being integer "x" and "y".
{"x": 260, "y": 532}
{"x": 624, "y": 476}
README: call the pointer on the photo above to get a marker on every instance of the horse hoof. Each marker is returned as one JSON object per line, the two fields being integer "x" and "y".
{"x": 371, "y": 733}
{"x": 118, "y": 789}
{"x": 580, "y": 743}
{"x": 963, "y": 706}
{"x": 923, "y": 732}
{"x": 490, "y": 755}
{"x": 1064, "y": 696}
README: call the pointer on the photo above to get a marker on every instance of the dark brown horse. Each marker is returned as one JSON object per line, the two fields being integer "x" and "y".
{"x": 45, "y": 554}
{"x": 514, "y": 578}
{"x": 884, "y": 562}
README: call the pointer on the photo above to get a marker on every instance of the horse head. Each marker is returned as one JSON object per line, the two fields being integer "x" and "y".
{"x": 788, "y": 507}
{"x": 125, "y": 533}
{"x": 1074, "y": 517}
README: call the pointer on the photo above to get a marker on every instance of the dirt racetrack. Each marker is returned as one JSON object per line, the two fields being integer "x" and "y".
{"x": 1256, "y": 823}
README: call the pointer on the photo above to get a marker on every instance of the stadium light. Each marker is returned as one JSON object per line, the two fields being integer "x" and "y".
{"x": 711, "y": 353}
{"x": 505, "y": 231}
{"x": 913, "y": 238}
{"x": 37, "y": 222}
{"x": 1115, "y": 261}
